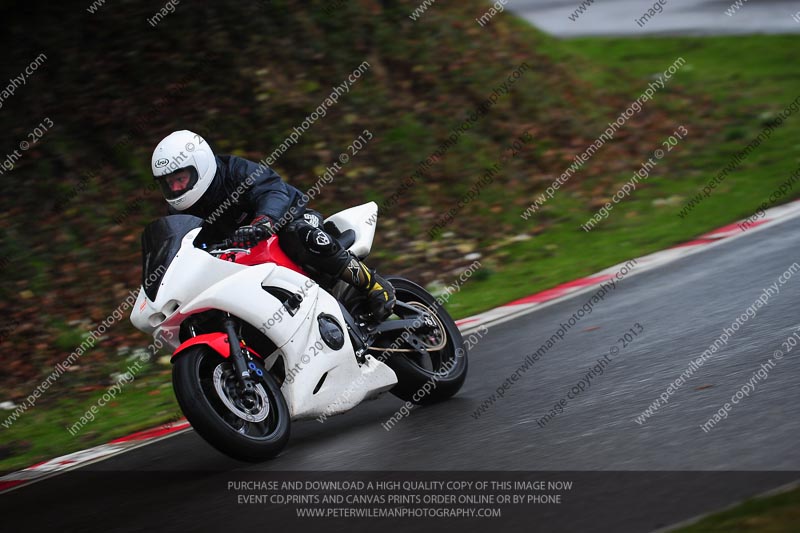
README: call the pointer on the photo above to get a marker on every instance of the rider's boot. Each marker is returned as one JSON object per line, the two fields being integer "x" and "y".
{"x": 379, "y": 292}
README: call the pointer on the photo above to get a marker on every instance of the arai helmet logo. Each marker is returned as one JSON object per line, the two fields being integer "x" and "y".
{"x": 161, "y": 163}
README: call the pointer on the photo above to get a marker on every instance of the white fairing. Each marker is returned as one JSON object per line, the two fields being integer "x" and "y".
{"x": 362, "y": 219}
{"x": 196, "y": 281}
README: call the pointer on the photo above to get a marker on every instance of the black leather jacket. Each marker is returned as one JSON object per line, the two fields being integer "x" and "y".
{"x": 239, "y": 193}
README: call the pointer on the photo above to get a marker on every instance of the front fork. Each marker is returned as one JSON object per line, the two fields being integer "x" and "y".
{"x": 237, "y": 356}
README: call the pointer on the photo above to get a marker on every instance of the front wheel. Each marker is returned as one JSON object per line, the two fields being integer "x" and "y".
{"x": 246, "y": 425}
{"x": 430, "y": 361}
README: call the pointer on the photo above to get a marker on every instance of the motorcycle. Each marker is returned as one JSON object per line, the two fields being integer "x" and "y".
{"x": 259, "y": 342}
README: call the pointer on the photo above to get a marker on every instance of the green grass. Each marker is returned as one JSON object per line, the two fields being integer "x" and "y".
{"x": 773, "y": 514}
{"x": 744, "y": 80}
{"x": 42, "y": 431}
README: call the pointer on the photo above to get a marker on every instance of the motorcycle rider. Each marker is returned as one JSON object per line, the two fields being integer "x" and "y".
{"x": 227, "y": 191}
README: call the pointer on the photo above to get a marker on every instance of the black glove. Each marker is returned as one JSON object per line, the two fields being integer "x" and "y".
{"x": 248, "y": 236}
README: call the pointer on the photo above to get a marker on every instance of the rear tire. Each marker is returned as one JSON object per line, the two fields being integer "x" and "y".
{"x": 203, "y": 381}
{"x": 427, "y": 382}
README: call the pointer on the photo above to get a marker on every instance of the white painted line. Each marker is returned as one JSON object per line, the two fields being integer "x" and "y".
{"x": 774, "y": 216}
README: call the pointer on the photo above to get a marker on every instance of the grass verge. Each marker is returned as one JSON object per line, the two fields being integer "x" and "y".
{"x": 773, "y": 514}
{"x": 43, "y": 431}
{"x": 746, "y": 80}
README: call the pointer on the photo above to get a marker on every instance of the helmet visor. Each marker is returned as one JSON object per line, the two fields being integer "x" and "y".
{"x": 177, "y": 183}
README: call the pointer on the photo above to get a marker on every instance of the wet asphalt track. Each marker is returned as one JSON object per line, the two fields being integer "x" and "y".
{"x": 682, "y": 307}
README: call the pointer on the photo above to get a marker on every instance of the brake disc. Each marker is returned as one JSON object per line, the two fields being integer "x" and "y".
{"x": 226, "y": 386}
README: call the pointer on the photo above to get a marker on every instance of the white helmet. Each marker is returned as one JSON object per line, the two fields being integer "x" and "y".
{"x": 184, "y": 165}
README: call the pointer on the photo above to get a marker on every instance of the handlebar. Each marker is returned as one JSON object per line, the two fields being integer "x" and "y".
{"x": 222, "y": 244}
{"x": 225, "y": 247}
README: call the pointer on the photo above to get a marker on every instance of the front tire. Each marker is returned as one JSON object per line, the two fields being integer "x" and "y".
{"x": 425, "y": 379}
{"x": 252, "y": 427}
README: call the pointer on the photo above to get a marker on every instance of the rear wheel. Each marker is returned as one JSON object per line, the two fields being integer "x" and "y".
{"x": 430, "y": 360}
{"x": 246, "y": 425}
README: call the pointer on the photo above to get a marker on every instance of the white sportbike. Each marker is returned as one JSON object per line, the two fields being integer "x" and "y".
{"x": 259, "y": 343}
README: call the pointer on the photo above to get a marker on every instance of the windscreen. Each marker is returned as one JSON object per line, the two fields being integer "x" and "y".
{"x": 161, "y": 240}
